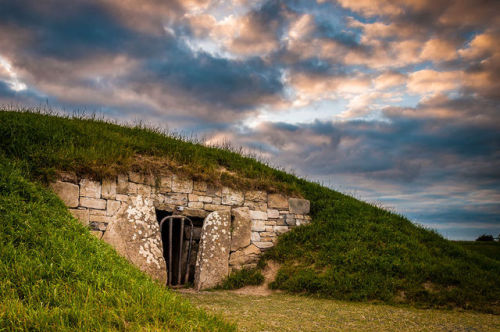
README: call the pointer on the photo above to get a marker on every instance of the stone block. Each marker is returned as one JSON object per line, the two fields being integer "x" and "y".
{"x": 232, "y": 197}
{"x": 256, "y": 196}
{"x": 277, "y": 201}
{"x": 255, "y": 237}
{"x": 122, "y": 198}
{"x": 269, "y": 229}
{"x": 244, "y": 256}
{"x": 68, "y": 192}
{"x": 215, "y": 207}
{"x": 240, "y": 237}
{"x": 135, "y": 177}
{"x": 259, "y": 215}
{"x": 258, "y": 225}
{"x": 93, "y": 203}
{"x": 180, "y": 185}
{"x": 213, "y": 191}
{"x": 194, "y": 213}
{"x": 299, "y": 206}
{"x": 200, "y": 186}
{"x": 108, "y": 189}
{"x": 112, "y": 207}
{"x": 132, "y": 188}
{"x": 281, "y": 229}
{"x": 143, "y": 190}
{"x": 165, "y": 183}
{"x": 257, "y": 206}
{"x": 90, "y": 188}
{"x": 122, "y": 184}
{"x": 99, "y": 219}
{"x": 81, "y": 214}
{"x": 94, "y": 212}
{"x": 176, "y": 198}
{"x": 212, "y": 262}
{"x": 272, "y": 213}
{"x": 195, "y": 205}
{"x": 263, "y": 245}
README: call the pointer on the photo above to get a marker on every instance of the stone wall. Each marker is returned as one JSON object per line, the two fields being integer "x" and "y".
{"x": 122, "y": 211}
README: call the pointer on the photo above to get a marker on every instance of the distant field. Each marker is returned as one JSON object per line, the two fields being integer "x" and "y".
{"x": 489, "y": 249}
{"x": 284, "y": 312}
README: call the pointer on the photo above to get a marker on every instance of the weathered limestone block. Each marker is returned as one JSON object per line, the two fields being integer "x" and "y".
{"x": 93, "y": 203}
{"x": 263, "y": 245}
{"x": 255, "y": 237}
{"x": 231, "y": 197}
{"x": 258, "y": 225}
{"x": 281, "y": 229}
{"x": 299, "y": 206}
{"x": 212, "y": 263}
{"x": 67, "y": 192}
{"x": 240, "y": 237}
{"x": 177, "y": 199}
{"x": 260, "y": 215}
{"x": 256, "y": 196}
{"x": 277, "y": 201}
{"x": 245, "y": 256}
{"x": 215, "y": 207}
{"x": 122, "y": 198}
{"x": 213, "y": 191}
{"x": 108, "y": 189}
{"x": 272, "y": 213}
{"x": 195, "y": 205}
{"x": 135, "y": 234}
{"x": 81, "y": 214}
{"x": 112, "y": 207}
{"x": 256, "y": 206}
{"x": 165, "y": 184}
{"x": 122, "y": 184}
{"x": 180, "y": 185}
{"x": 89, "y": 188}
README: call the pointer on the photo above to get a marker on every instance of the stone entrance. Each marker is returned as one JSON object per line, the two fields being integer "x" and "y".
{"x": 232, "y": 227}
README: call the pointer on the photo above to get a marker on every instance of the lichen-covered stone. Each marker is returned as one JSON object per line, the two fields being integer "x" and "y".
{"x": 240, "y": 237}
{"x": 69, "y": 193}
{"x": 89, "y": 188}
{"x": 108, "y": 189}
{"x": 212, "y": 263}
{"x": 180, "y": 185}
{"x": 277, "y": 201}
{"x": 81, "y": 214}
{"x": 299, "y": 206}
{"x": 93, "y": 203}
{"x": 232, "y": 197}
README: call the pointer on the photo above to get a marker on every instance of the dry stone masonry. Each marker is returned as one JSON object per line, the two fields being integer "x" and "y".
{"x": 236, "y": 226}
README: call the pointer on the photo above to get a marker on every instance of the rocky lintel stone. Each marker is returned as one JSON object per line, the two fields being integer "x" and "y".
{"x": 67, "y": 192}
{"x": 299, "y": 206}
{"x": 212, "y": 262}
{"x": 277, "y": 201}
{"x": 93, "y": 203}
{"x": 240, "y": 237}
{"x": 90, "y": 188}
{"x": 232, "y": 197}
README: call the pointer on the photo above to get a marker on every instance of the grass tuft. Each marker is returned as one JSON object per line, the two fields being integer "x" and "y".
{"x": 241, "y": 278}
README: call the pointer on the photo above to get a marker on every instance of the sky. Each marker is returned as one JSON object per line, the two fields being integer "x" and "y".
{"x": 394, "y": 102}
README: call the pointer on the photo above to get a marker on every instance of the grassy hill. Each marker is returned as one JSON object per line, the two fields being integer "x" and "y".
{"x": 352, "y": 250}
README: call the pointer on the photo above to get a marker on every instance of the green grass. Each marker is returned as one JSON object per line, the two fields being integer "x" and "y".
{"x": 285, "y": 312}
{"x": 244, "y": 277}
{"x": 489, "y": 249}
{"x": 351, "y": 251}
{"x": 55, "y": 276}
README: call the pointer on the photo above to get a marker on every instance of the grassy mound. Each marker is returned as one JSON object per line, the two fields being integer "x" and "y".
{"x": 351, "y": 250}
{"x": 55, "y": 276}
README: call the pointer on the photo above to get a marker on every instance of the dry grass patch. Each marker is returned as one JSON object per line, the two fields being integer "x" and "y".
{"x": 284, "y": 312}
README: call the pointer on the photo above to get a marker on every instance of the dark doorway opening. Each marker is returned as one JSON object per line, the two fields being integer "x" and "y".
{"x": 180, "y": 264}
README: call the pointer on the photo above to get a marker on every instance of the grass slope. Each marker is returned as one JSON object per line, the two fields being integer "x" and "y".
{"x": 489, "y": 249}
{"x": 352, "y": 250}
{"x": 55, "y": 276}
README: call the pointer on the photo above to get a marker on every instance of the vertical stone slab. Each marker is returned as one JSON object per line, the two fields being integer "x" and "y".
{"x": 212, "y": 263}
{"x": 242, "y": 232}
